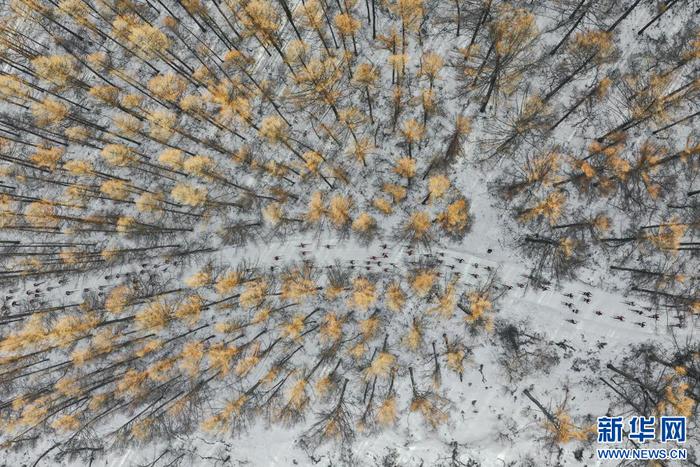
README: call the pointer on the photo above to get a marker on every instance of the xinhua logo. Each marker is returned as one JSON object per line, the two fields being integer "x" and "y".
{"x": 640, "y": 430}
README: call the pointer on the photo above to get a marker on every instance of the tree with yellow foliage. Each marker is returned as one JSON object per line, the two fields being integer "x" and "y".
{"x": 334, "y": 423}
{"x": 559, "y": 424}
{"x": 418, "y": 228}
{"x": 364, "y": 293}
{"x": 455, "y": 220}
{"x": 437, "y": 187}
{"x": 275, "y": 131}
{"x": 262, "y": 21}
{"x": 312, "y": 15}
{"x": 365, "y": 226}
{"x": 413, "y": 133}
{"x": 559, "y": 255}
{"x": 347, "y": 26}
{"x": 339, "y": 211}
{"x": 431, "y": 406}
{"x": 550, "y": 208}
{"x": 431, "y": 64}
{"x": 366, "y": 77}
{"x": 455, "y": 146}
{"x": 410, "y": 13}
{"x": 423, "y": 281}
{"x": 509, "y": 35}
{"x": 655, "y": 380}
{"x": 596, "y": 225}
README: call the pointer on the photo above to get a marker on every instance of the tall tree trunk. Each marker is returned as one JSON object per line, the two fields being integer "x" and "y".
{"x": 492, "y": 84}
{"x": 568, "y": 33}
{"x": 288, "y": 13}
{"x": 666, "y": 7}
{"x": 482, "y": 20}
{"x": 671, "y": 125}
{"x": 546, "y": 412}
{"x": 624, "y": 15}
{"x": 459, "y": 17}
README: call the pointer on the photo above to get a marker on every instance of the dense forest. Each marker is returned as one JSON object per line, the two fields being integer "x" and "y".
{"x": 220, "y": 215}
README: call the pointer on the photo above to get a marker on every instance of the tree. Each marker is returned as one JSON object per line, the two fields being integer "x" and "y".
{"x": 510, "y": 33}
{"x": 366, "y": 76}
